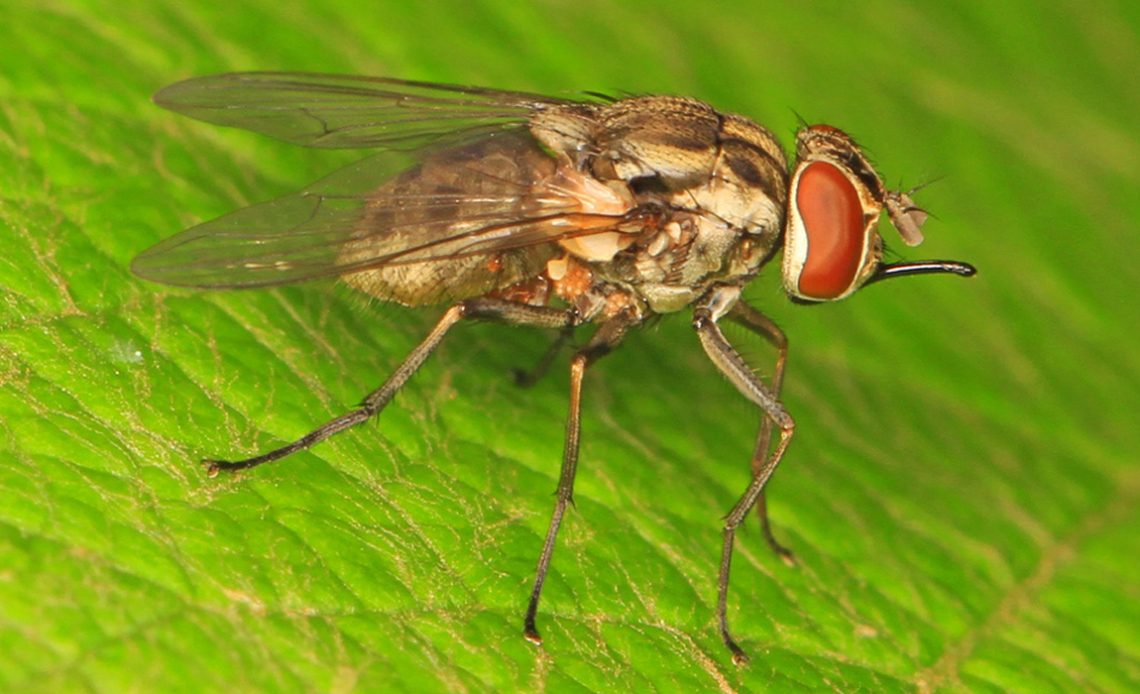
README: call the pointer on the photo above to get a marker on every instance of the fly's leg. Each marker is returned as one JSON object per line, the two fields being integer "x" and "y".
{"x": 526, "y": 379}
{"x": 608, "y": 336}
{"x": 732, "y": 365}
{"x": 757, "y": 322}
{"x": 487, "y": 309}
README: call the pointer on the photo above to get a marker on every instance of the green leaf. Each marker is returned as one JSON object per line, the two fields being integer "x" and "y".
{"x": 961, "y": 492}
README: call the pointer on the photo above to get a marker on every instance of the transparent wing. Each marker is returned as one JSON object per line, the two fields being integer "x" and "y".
{"x": 339, "y": 111}
{"x": 477, "y": 200}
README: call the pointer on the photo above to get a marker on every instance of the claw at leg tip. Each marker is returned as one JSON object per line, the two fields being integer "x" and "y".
{"x": 739, "y": 658}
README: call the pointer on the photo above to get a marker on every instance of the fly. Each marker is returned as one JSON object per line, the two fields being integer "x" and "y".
{"x": 552, "y": 213}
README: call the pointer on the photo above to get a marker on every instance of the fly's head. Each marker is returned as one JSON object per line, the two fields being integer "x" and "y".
{"x": 832, "y": 246}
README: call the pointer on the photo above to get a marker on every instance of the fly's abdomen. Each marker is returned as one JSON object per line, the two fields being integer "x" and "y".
{"x": 456, "y": 226}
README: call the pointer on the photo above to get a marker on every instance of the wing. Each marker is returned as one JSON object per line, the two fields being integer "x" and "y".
{"x": 338, "y": 111}
{"x": 498, "y": 195}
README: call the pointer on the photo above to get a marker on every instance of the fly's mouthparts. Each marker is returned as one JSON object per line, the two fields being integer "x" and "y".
{"x": 922, "y": 267}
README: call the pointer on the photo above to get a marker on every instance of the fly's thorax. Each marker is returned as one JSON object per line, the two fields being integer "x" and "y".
{"x": 725, "y": 224}
{"x": 720, "y": 180}
{"x": 677, "y": 142}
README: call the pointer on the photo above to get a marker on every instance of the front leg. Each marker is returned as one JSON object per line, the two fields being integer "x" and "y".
{"x": 732, "y": 365}
{"x": 757, "y": 322}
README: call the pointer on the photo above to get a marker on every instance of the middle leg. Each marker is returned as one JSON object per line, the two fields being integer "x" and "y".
{"x": 608, "y": 336}
{"x": 732, "y": 365}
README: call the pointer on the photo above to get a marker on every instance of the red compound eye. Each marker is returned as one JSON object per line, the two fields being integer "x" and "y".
{"x": 832, "y": 215}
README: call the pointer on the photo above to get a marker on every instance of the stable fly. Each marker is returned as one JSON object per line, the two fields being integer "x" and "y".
{"x": 552, "y": 213}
